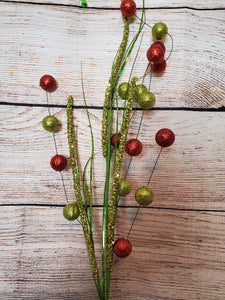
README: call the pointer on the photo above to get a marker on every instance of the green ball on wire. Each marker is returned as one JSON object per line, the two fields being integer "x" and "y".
{"x": 50, "y": 123}
{"x": 146, "y": 100}
{"x": 71, "y": 211}
{"x": 139, "y": 90}
{"x": 159, "y": 31}
{"x": 123, "y": 90}
{"x": 144, "y": 196}
{"x": 124, "y": 187}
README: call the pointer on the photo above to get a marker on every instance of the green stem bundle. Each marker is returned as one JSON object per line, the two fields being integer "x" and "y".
{"x": 106, "y": 139}
{"x": 77, "y": 188}
{"x": 110, "y": 201}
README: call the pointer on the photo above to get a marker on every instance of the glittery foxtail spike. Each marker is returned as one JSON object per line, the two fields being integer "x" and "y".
{"x": 111, "y": 87}
{"x": 116, "y": 176}
{"x": 77, "y": 188}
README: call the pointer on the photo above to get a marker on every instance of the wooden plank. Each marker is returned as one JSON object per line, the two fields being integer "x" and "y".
{"x": 175, "y": 255}
{"x": 42, "y": 258}
{"x": 178, "y": 252}
{"x": 56, "y": 40}
{"x": 189, "y": 174}
{"x": 201, "y": 4}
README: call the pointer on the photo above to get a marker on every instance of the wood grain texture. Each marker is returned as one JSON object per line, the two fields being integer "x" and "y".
{"x": 189, "y": 174}
{"x": 201, "y": 4}
{"x": 178, "y": 242}
{"x": 179, "y": 255}
{"x": 40, "y": 39}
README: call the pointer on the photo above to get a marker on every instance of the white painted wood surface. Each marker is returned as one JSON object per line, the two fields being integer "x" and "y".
{"x": 57, "y": 39}
{"x": 201, "y": 4}
{"x": 178, "y": 242}
{"x": 188, "y": 175}
{"x": 179, "y": 255}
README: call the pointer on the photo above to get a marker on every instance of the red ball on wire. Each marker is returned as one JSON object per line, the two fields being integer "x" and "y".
{"x": 160, "y": 44}
{"x": 48, "y": 83}
{"x": 58, "y": 162}
{"x": 122, "y": 247}
{"x": 156, "y": 53}
{"x": 133, "y": 147}
{"x": 128, "y": 8}
{"x": 159, "y": 67}
{"x": 113, "y": 139}
{"x": 165, "y": 137}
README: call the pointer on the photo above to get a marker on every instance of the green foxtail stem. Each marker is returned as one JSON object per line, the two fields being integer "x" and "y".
{"x": 106, "y": 135}
{"x": 111, "y": 87}
{"x": 77, "y": 188}
{"x": 116, "y": 177}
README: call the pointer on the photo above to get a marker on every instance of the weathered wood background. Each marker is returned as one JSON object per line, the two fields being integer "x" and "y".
{"x": 179, "y": 241}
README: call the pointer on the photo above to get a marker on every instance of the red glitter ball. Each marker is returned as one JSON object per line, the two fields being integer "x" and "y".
{"x": 128, "y": 8}
{"x": 156, "y": 52}
{"x": 48, "y": 83}
{"x": 113, "y": 139}
{"x": 58, "y": 162}
{"x": 159, "y": 67}
{"x": 159, "y": 44}
{"x": 165, "y": 137}
{"x": 133, "y": 147}
{"x": 122, "y": 247}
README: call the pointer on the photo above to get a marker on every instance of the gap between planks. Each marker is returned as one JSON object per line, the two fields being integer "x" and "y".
{"x": 197, "y": 109}
{"x": 119, "y": 206}
{"x": 112, "y": 8}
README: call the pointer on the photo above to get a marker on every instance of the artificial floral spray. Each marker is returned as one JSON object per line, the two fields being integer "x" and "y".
{"x": 114, "y": 145}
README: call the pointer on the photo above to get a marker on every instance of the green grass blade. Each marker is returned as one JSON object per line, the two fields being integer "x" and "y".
{"x": 91, "y": 158}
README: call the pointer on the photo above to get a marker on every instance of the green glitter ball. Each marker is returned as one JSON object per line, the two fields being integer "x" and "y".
{"x": 123, "y": 90}
{"x": 144, "y": 196}
{"x": 50, "y": 123}
{"x": 124, "y": 187}
{"x": 139, "y": 90}
{"x": 159, "y": 31}
{"x": 146, "y": 100}
{"x": 71, "y": 211}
